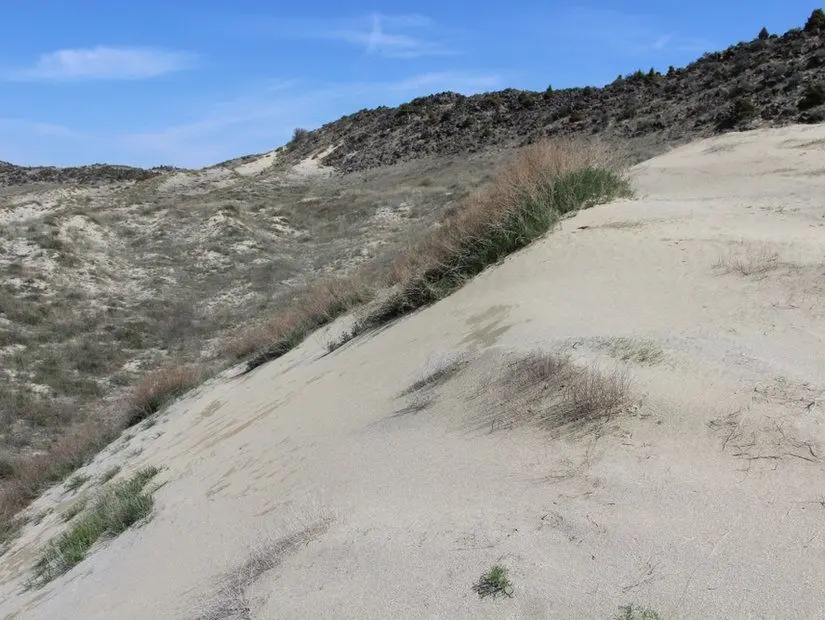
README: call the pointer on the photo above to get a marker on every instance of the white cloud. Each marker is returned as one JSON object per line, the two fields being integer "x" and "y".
{"x": 105, "y": 63}
{"x": 390, "y": 36}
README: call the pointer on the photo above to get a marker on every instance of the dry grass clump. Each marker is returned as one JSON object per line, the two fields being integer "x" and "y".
{"x": 554, "y": 393}
{"x": 751, "y": 260}
{"x": 549, "y": 181}
{"x": 160, "y": 387}
{"x": 320, "y": 304}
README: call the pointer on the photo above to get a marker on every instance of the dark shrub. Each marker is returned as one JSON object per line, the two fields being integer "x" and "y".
{"x": 814, "y": 95}
{"x": 816, "y": 22}
{"x": 764, "y": 34}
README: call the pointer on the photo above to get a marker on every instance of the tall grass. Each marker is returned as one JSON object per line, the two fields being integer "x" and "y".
{"x": 549, "y": 181}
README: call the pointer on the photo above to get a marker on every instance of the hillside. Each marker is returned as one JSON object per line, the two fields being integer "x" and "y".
{"x": 700, "y": 297}
{"x": 384, "y": 478}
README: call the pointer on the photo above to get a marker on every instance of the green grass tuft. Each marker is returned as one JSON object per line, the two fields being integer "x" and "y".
{"x": 75, "y": 482}
{"x": 494, "y": 583}
{"x": 115, "y": 510}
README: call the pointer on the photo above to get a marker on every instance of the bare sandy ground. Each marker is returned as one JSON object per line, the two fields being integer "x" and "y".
{"x": 705, "y": 500}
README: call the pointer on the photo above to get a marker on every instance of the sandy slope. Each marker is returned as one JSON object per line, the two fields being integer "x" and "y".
{"x": 707, "y": 500}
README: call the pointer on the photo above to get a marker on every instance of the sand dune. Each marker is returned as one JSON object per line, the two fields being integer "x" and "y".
{"x": 702, "y": 499}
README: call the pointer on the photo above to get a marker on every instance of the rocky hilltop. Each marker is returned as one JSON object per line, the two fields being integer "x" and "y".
{"x": 772, "y": 80}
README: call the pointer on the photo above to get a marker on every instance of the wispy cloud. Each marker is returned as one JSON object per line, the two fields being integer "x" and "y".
{"x": 389, "y": 36}
{"x": 629, "y": 33}
{"x": 105, "y": 63}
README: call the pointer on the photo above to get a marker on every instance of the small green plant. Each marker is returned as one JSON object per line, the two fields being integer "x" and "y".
{"x": 75, "y": 482}
{"x": 634, "y": 612}
{"x": 494, "y": 583}
{"x": 764, "y": 34}
{"x": 816, "y": 22}
{"x": 109, "y": 474}
{"x": 115, "y": 510}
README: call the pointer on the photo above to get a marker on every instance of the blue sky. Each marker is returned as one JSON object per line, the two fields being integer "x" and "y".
{"x": 191, "y": 83}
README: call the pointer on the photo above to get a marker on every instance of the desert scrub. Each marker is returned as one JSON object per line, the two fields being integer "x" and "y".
{"x": 114, "y": 511}
{"x": 494, "y": 583}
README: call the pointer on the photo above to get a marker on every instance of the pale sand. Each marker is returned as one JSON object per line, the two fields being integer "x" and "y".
{"x": 705, "y": 501}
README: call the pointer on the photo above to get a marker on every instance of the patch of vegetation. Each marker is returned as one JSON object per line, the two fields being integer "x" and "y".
{"x": 109, "y": 474}
{"x": 74, "y": 483}
{"x": 764, "y": 34}
{"x": 634, "y": 612}
{"x": 813, "y": 96}
{"x": 322, "y": 304}
{"x": 159, "y": 388}
{"x": 525, "y": 204}
{"x": 494, "y": 583}
{"x": 7, "y": 468}
{"x": 632, "y": 350}
{"x": 816, "y": 22}
{"x": 742, "y": 110}
{"x": 75, "y": 509}
{"x": 9, "y": 530}
{"x": 552, "y": 392}
{"x": 117, "y": 509}
{"x": 755, "y": 260}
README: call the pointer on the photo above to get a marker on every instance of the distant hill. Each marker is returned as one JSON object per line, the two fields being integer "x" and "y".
{"x": 84, "y": 175}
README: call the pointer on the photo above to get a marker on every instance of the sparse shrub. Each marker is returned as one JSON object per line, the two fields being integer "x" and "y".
{"x": 813, "y": 96}
{"x": 299, "y": 134}
{"x": 494, "y": 583}
{"x": 816, "y": 22}
{"x": 764, "y": 34}
{"x": 117, "y": 509}
{"x": 159, "y": 388}
{"x": 671, "y": 71}
{"x": 552, "y": 392}
{"x": 548, "y": 90}
{"x": 741, "y": 111}
{"x": 526, "y": 100}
